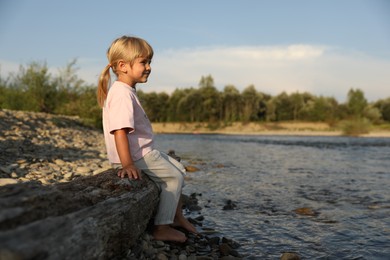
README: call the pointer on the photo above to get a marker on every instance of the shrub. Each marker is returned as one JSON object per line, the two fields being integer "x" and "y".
{"x": 356, "y": 127}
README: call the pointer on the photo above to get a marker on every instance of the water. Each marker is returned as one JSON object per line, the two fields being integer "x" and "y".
{"x": 344, "y": 181}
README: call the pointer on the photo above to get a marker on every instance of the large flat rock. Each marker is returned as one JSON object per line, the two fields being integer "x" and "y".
{"x": 97, "y": 217}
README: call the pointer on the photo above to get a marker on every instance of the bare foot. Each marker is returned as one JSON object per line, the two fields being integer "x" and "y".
{"x": 167, "y": 233}
{"x": 181, "y": 221}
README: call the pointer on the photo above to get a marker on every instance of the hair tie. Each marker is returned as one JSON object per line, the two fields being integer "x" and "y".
{"x": 109, "y": 65}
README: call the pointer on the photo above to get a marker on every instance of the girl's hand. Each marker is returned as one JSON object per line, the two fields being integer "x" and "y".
{"x": 131, "y": 171}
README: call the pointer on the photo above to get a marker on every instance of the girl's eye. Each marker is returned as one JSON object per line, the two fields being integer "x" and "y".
{"x": 146, "y": 62}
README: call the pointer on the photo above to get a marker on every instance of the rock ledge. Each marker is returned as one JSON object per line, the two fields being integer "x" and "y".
{"x": 96, "y": 217}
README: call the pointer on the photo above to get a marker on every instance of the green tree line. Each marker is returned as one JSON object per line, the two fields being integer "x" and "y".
{"x": 33, "y": 88}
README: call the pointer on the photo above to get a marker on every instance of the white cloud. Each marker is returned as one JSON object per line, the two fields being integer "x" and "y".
{"x": 320, "y": 70}
{"x": 8, "y": 67}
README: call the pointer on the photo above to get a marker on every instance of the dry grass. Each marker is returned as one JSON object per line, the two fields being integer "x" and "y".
{"x": 282, "y": 128}
{"x": 240, "y": 128}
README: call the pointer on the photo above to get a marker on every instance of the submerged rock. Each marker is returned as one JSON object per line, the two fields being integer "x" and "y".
{"x": 190, "y": 168}
{"x": 230, "y": 205}
{"x": 306, "y": 212}
{"x": 290, "y": 256}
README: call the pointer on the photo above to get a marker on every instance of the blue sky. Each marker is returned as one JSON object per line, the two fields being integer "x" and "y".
{"x": 324, "y": 47}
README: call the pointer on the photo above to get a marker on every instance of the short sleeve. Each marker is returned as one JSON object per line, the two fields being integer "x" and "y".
{"x": 120, "y": 109}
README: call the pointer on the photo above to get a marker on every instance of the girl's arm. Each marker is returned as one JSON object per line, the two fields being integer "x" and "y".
{"x": 123, "y": 148}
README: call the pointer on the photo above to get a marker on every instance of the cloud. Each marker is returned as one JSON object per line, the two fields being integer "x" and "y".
{"x": 8, "y": 67}
{"x": 320, "y": 70}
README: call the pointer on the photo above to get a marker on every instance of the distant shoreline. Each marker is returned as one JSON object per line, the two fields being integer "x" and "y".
{"x": 266, "y": 129}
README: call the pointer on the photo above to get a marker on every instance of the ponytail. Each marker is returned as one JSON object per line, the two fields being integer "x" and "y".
{"x": 102, "y": 89}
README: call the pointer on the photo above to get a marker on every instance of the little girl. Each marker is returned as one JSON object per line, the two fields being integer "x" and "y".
{"x": 129, "y": 137}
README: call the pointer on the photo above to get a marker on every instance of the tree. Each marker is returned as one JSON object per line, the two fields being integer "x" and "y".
{"x": 262, "y": 106}
{"x": 68, "y": 79}
{"x": 297, "y": 104}
{"x": 174, "y": 113}
{"x": 250, "y": 104}
{"x": 372, "y": 113}
{"x": 206, "y": 81}
{"x": 69, "y": 88}
{"x": 384, "y": 107}
{"x": 321, "y": 109}
{"x": 35, "y": 83}
{"x": 271, "y": 110}
{"x": 231, "y": 104}
{"x": 356, "y": 103}
{"x": 211, "y": 100}
{"x": 191, "y": 106}
{"x": 155, "y": 105}
{"x": 3, "y": 92}
{"x": 283, "y": 107}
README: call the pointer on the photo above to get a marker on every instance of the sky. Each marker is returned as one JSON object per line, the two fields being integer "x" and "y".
{"x": 324, "y": 47}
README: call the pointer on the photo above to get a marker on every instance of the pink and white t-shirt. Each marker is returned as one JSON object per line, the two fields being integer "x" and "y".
{"x": 122, "y": 109}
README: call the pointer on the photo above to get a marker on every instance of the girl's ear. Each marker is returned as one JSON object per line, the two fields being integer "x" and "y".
{"x": 122, "y": 66}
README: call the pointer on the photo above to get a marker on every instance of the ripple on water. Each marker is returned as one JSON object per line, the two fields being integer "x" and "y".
{"x": 344, "y": 181}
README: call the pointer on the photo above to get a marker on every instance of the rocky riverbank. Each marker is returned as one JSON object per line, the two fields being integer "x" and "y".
{"x": 49, "y": 149}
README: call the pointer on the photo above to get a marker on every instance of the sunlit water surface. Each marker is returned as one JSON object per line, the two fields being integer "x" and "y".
{"x": 344, "y": 181}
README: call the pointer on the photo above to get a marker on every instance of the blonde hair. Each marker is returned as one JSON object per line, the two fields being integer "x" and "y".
{"x": 125, "y": 48}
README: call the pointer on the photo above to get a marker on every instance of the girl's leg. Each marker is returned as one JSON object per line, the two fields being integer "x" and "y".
{"x": 181, "y": 221}
{"x": 170, "y": 180}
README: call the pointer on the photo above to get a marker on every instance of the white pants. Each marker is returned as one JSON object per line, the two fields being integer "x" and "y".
{"x": 168, "y": 174}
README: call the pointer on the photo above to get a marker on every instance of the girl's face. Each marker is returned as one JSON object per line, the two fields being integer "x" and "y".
{"x": 136, "y": 73}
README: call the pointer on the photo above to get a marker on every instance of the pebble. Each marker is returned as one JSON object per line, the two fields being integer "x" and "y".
{"x": 197, "y": 247}
{"x": 203, "y": 246}
{"x": 59, "y": 162}
{"x": 6, "y": 181}
{"x": 190, "y": 168}
{"x": 48, "y": 148}
{"x": 83, "y": 170}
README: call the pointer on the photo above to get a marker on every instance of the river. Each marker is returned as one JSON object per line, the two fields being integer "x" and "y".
{"x": 320, "y": 197}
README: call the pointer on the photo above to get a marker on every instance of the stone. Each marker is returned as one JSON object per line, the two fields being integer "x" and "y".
{"x": 161, "y": 256}
{"x": 68, "y": 175}
{"x": 6, "y": 181}
{"x": 74, "y": 221}
{"x": 230, "y": 205}
{"x": 6, "y": 170}
{"x": 182, "y": 257}
{"x": 59, "y": 162}
{"x": 225, "y": 249}
{"x": 290, "y": 256}
{"x": 190, "y": 168}
{"x": 306, "y": 212}
{"x": 83, "y": 169}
